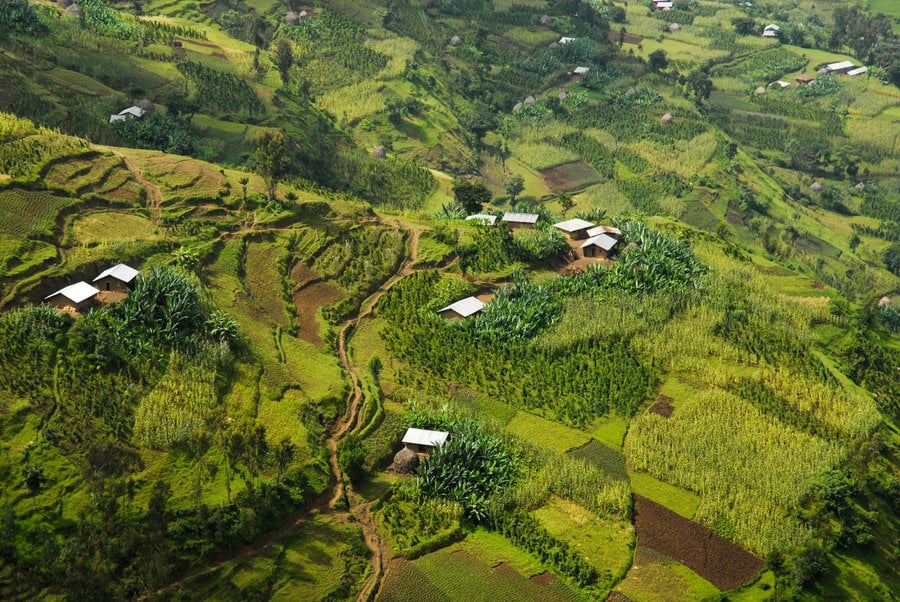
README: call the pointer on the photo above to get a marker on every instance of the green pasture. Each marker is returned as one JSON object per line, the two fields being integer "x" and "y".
{"x": 310, "y": 562}
{"x": 544, "y": 432}
{"x": 99, "y": 227}
{"x": 674, "y": 498}
{"x": 604, "y": 543}
{"x": 656, "y": 578}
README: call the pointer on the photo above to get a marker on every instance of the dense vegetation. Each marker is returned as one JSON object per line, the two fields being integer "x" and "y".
{"x": 223, "y": 430}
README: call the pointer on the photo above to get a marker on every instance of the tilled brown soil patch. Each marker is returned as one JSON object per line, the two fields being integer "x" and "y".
{"x": 617, "y": 597}
{"x": 545, "y": 578}
{"x": 308, "y": 300}
{"x": 722, "y": 563}
{"x": 663, "y": 406}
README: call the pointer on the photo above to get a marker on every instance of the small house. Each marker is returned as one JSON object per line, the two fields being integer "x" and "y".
{"x": 423, "y": 441}
{"x": 771, "y": 31}
{"x": 520, "y": 220}
{"x": 608, "y": 230}
{"x": 841, "y": 67}
{"x": 565, "y": 40}
{"x": 462, "y": 308}
{"x": 780, "y": 84}
{"x": 134, "y": 112}
{"x": 118, "y": 278}
{"x": 664, "y": 5}
{"x": 575, "y": 229}
{"x": 858, "y": 71}
{"x": 75, "y": 297}
{"x": 804, "y": 79}
{"x": 581, "y": 70}
{"x": 482, "y": 218}
{"x": 598, "y": 246}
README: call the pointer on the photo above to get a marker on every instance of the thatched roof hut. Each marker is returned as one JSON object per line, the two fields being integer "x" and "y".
{"x": 75, "y": 10}
{"x": 816, "y": 187}
{"x": 517, "y": 107}
{"x": 292, "y": 18}
{"x": 760, "y": 91}
{"x": 666, "y": 119}
{"x": 406, "y": 461}
{"x": 145, "y": 104}
{"x": 859, "y": 187}
{"x": 64, "y": 3}
{"x": 530, "y": 100}
{"x": 553, "y": 45}
{"x": 455, "y": 41}
{"x": 546, "y": 20}
{"x": 673, "y": 27}
{"x": 379, "y": 152}
{"x": 563, "y": 95}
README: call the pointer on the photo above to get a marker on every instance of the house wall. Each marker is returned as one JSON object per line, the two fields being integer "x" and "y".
{"x": 112, "y": 284}
{"x": 450, "y": 314}
{"x": 594, "y": 252}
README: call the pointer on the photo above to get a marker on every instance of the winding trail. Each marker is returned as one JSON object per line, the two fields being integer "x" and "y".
{"x": 329, "y": 503}
{"x": 343, "y": 490}
{"x": 154, "y": 194}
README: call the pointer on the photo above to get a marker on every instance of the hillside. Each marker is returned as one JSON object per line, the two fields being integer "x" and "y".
{"x": 702, "y": 404}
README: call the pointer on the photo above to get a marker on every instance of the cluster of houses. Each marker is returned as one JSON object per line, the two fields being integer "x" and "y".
{"x": 591, "y": 240}
{"x": 844, "y": 67}
{"x": 110, "y": 285}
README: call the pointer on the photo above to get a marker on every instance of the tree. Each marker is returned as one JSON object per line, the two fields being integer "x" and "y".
{"x": 514, "y": 186}
{"x": 699, "y": 84}
{"x": 284, "y": 58}
{"x": 21, "y": 17}
{"x": 657, "y": 60}
{"x": 471, "y": 195}
{"x": 891, "y": 258}
{"x": 565, "y": 201}
{"x": 352, "y": 457}
{"x": 617, "y": 14}
{"x": 284, "y": 454}
{"x": 33, "y": 477}
{"x": 743, "y": 26}
{"x": 270, "y": 158}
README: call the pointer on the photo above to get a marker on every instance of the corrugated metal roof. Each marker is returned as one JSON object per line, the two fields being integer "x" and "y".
{"x": 134, "y": 111}
{"x": 520, "y": 218}
{"x": 484, "y": 218}
{"x": 76, "y": 293}
{"x": 565, "y": 40}
{"x": 573, "y": 225}
{"x": 464, "y": 307}
{"x": 581, "y": 70}
{"x": 425, "y": 437}
{"x": 122, "y": 272}
{"x": 604, "y": 230}
{"x": 604, "y": 241}
{"x": 839, "y": 66}
{"x": 858, "y": 71}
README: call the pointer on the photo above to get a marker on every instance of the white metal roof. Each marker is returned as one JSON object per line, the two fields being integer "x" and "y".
{"x": 425, "y": 437}
{"x": 520, "y": 218}
{"x": 604, "y": 230}
{"x": 858, "y": 71}
{"x": 604, "y": 241}
{"x": 484, "y": 218}
{"x": 565, "y": 40}
{"x": 465, "y": 307}
{"x": 770, "y": 33}
{"x": 134, "y": 111}
{"x": 573, "y": 225}
{"x": 839, "y": 66}
{"x": 664, "y": 4}
{"x": 773, "y": 27}
{"x": 122, "y": 272}
{"x": 581, "y": 70}
{"x": 76, "y": 293}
